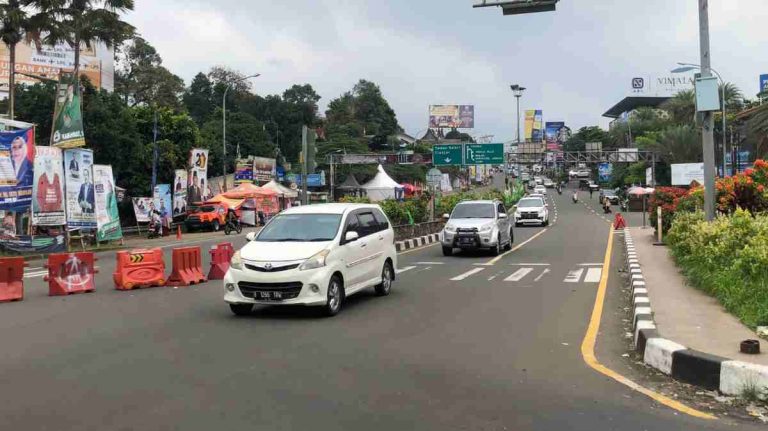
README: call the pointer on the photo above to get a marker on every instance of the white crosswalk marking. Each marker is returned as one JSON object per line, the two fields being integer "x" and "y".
{"x": 542, "y": 274}
{"x": 407, "y": 268}
{"x": 574, "y": 275}
{"x": 469, "y": 273}
{"x": 593, "y": 275}
{"x": 519, "y": 274}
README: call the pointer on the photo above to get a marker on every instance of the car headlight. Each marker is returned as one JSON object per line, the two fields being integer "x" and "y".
{"x": 237, "y": 261}
{"x": 486, "y": 228}
{"x": 542, "y": 212}
{"x": 450, "y": 228}
{"x": 316, "y": 261}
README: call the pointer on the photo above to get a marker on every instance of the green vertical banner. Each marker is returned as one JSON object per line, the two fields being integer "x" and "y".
{"x": 107, "y": 217}
{"x": 67, "y": 130}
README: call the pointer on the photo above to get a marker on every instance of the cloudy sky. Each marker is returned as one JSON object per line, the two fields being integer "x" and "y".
{"x": 576, "y": 62}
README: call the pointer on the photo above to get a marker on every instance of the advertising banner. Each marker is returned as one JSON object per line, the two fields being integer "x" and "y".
{"x": 533, "y": 126}
{"x": 454, "y": 116}
{"x": 244, "y": 171}
{"x": 180, "y": 180}
{"x": 764, "y": 83}
{"x": 32, "y": 244}
{"x": 142, "y": 207}
{"x": 604, "y": 171}
{"x": 67, "y": 130}
{"x": 48, "y": 188}
{"x": 263, "y": 169}
{"x": 79, "y": 190}
{"x": 684, "y": 173}
{"x": 550, "y": 134}
{"x": 107, "y": 217}
{"x": 197, "y": 187}
{"x": 17, "y": 151}
{"x": 161, "y": 199}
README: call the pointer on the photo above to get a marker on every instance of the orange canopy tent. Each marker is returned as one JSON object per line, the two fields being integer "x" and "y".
{"x": 247, "y": 190}
{"x": 250, "y": 196}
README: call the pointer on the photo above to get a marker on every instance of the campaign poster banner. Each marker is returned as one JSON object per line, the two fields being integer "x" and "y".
{"x": 454, "y": 116}
{"x": 764, "y": 83}
{"x": 79, "y": 191}
{"x": 180, "y": 180}
{"x": 48, "y": 189}
{"x": 533, "y": 127}
{"x": 264, "y": 169}
{"x": 551, "y": 129}
{"x": 67, "y": 130}
{"x": 197, "y": 186}
{"x": 141, "y": 208}
{"x": 605, "y": 171}
{"x": 161, "y": 198}
{"x": 17, "y": 151}
{"x": 107, "y": 216}
{"x": 244, "y": 171}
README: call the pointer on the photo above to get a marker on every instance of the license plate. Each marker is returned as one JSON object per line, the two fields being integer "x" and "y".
{"x": 467, "y": 240}
{"x": 270, "y": 295}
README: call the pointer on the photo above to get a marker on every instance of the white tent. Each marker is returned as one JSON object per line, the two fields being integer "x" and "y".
{"x": 281, "y": 189}
{"x": 381, "y": 187}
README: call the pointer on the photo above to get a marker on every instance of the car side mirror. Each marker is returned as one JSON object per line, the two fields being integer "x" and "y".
{"x": 351, "y": 236}
{"x": 502, "y": 216}
{"x": 446, "y": 216}
{"x": 250, "y": 236}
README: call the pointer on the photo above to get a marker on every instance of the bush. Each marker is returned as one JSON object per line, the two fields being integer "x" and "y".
{"x": 668, "y": 199}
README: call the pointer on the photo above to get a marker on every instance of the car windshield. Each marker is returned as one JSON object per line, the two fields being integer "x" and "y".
{"x": 530, "y": 203}
{"x": 300, "y": 228}
{"x": 473, "y": 211}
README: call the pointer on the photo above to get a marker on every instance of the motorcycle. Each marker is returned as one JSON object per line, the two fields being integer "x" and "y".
{"x": 233, "y": 225}
{"x": 575, "y": 197}
{"x": 623, "y": 205}
{"x": 155, "y": 231}
{"x": 559, "y": 190}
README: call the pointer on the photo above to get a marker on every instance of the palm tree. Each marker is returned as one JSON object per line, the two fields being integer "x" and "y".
{"x": 78, "y": 22}
{"x": 14, "y": 21}
{"x": 681, "y": 107}
{"x": 734, "y": 99}
{"x": 678, "y": 144}
{"x": 757, "y": 128}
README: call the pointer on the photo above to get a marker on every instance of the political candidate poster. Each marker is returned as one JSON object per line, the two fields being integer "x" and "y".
{"x": 17, "y": 151}
{"x": 244, "y": 171}
{"x": 67, "y": 130}
{"x": 107, "y": 216}
{"x": 264, "y": 169}
{"x": 161, "y": 198}
{"x": 180, "y": 180}
{"x": 197, "y": 188}
{"x": 141, "y": 208}
{"x": 458, "y": 116}
{"x": 48, "y": 188}
{"x": 80, "y": 195}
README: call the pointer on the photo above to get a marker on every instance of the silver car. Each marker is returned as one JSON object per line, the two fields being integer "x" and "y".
{"x": 477, "y": 225}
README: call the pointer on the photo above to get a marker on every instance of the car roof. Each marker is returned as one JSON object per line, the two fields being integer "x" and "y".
{"x": 478, "y": 202}
{"x": 334, "y": 208}
{"x": 532, "y": 197}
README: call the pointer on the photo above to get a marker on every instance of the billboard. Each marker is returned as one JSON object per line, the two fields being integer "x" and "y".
{"x": 684, "y": 173}
{"x": 141, "y": 208}
{"x": 662, "y": 85}
{"x": 764, "y": 83}
{"x": 244, "y": 171}
{"x": 79, "y": 190}
{"x": 48, "y": 187}
{"x": 552, "y": 134}
{"x": 97, "y": 62}
{"x": 263, "y": 169}
{"x": 533, "y": 126}
{"x": 604, "y": 171}
{"x": 107, "y": 217}
{"x": 17, "y": 151}
{"x": 197, "y": 188}
{"x": 67, "y": 130}
{"x": 179, "y": 192}
{"x": 161, "y": 199}
{"x": 455, "y": 116}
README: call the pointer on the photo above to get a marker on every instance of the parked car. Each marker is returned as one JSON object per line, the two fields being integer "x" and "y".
{"x": 477, "y": 225}
{"x": 525, "y": 176}
{"x": 315, "y": 255}
{"x": 531, "y": 210}
{"x": 583, "y": 173}
{"x": 572, "y": 173}
{"x": 211, "y": 216}
{"x": 531, "y": 184}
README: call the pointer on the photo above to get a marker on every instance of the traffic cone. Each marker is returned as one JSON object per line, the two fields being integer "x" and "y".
{"x": 178, "y": 231}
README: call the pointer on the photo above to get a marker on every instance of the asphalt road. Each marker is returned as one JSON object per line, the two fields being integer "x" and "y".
{"x": 462, "y": 343}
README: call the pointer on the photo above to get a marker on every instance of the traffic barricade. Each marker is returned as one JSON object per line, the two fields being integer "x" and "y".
{"x": 221, "y": 255}
{"x": 139, "y": 268}
{"x": 70, "y": 273}
{"x": 187, "y": 267}
{"x": 618, "y": 222}
{"x": 12, "y": 279}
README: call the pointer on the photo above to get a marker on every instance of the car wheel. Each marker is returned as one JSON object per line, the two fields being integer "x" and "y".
{"x": 511, "y": 240}
{"x": 241, "y": 309}
{"x": 387, "y": 276}
{"x": 335, "y": 296}
{"x": 216, "y": 226}
{"x": 496, "y": 250}
{"x": 546, "y": 222}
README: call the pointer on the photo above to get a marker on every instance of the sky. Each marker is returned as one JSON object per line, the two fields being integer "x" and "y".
{"x": 576, "y": 62}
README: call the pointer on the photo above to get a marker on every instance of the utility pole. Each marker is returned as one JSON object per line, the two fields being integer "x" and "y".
{"x": 708, "y": 120}
{"x": 154, "y": 153}
{"x": 304, "y": 152}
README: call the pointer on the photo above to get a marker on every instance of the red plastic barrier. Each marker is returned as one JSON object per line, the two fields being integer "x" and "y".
{"x": 139, "y": 268}
{"x": 220, "y": 256}
{"x": 187, "y": 267}
{"x": 70, "y": 273}
{"x": 618, "y": 222}
{"x": 12, "y": 279}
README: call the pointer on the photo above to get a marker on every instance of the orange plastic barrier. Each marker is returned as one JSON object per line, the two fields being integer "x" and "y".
{"x": 187, "y": 267}
{"x": 12, "y": 279}
{"x": 139, "y": 268}
{"x": 618, "y": 222}
{"x": 220, "y": 256}
{"x": 70, "y": 273}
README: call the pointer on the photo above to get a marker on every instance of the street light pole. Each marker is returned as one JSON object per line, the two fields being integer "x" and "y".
{"x": 224, "y": 126}
{"x": 517, "y": 91}
{"x": 708, "y": 137}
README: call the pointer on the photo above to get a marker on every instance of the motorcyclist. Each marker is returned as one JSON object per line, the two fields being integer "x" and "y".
{"x": 156, "y": 223}
{"x": 232, "y": 217}
{"x": 575, "y": 196}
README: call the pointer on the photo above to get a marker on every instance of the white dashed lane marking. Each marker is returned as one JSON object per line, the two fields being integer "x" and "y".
{"x": 467, "y": 274}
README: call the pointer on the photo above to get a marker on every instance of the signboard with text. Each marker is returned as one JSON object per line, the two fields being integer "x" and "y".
{"x": 483, "y": 154}
{"x": 447, "y": 155}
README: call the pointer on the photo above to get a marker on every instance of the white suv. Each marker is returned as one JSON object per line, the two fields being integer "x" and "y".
{"x": 531, "y": 210}
{"x": 313, "y": 255}
{"x": 477, "y": 225}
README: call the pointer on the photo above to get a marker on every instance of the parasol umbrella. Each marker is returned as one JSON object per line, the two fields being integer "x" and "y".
{"x": 643, "y": 192}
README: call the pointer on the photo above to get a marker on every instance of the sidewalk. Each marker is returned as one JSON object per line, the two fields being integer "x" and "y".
{"x": 684, "y": 314}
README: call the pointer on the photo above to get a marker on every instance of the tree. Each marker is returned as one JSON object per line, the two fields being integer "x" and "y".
{"x": 80, "y": 22}
{"x": 678, "y": 144}
{"x": 578, "y": 140}
{"x": 244, "y": 131}
{"x": 681, "y": 107}
{"x": 198, "y": 98}
{"x": 455, "y": 134}
{"x": 15, "y": 22}
{"x": 757, "y": 131}
{"x": 141, "y": 78}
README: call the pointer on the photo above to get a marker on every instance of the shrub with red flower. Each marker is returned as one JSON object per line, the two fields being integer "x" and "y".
{"x": 746, "y": 190}
{"x": 668, "y": 198}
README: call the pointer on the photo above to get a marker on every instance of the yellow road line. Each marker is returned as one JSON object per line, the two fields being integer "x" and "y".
{"x": 590, "y": 338}
{"x": 498, "y": 258}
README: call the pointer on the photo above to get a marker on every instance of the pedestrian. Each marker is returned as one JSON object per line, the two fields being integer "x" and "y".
{"x": 590, "y": 192}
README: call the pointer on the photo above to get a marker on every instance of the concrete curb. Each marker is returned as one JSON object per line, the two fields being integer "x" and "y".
{"x": 691, "y": 366}
{"x": 417, "y": 242}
